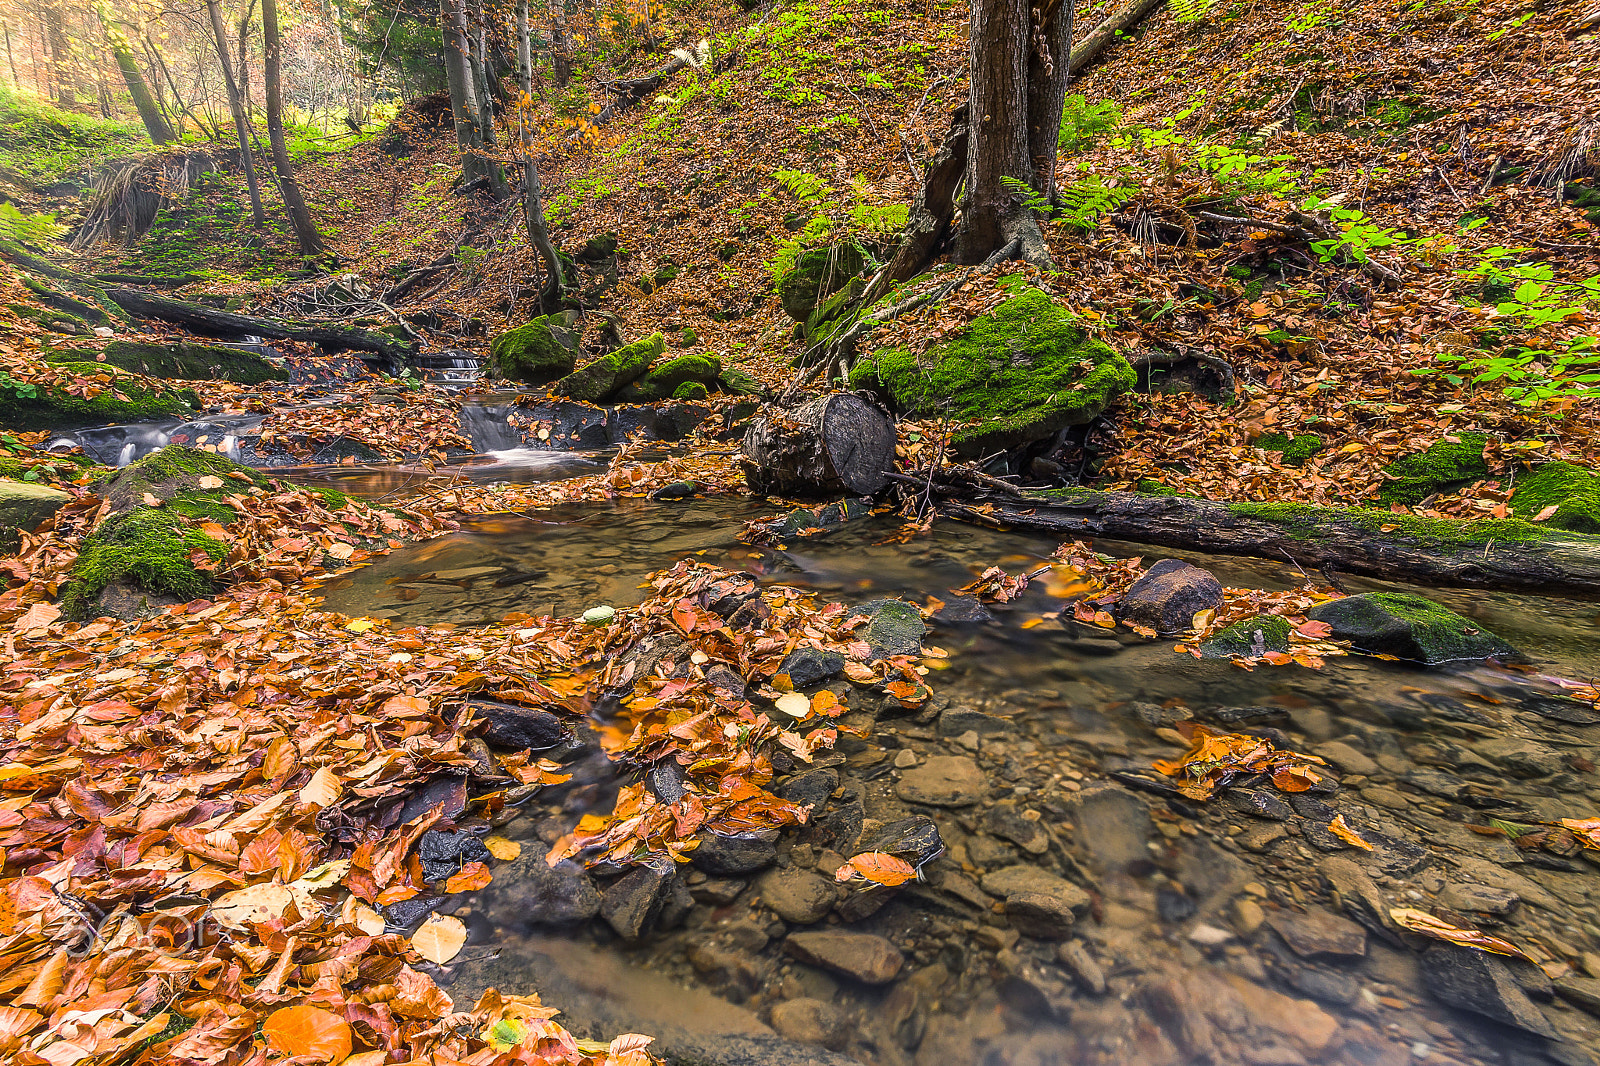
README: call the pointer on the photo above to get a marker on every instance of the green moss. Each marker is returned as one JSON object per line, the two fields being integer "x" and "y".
{"x": 663, "y": 380}
{"x": 1409, "y": 627}
{"x": 740, "y": 382}
{"x": 1248, "y": 639}
{"x": 185, "y": 361}
{"x": 55, "y": 408}
{"x": 1305, "y": 521}
{"x": 1295, "y": 450}
{"x": 1573, "y": 491}
{"x": 816, "y": 274}
{"x": 24, "y": 504}
{"x": 1445, "y": 465}
{"x": 1022, "y": 372}
{"x": 536, "y": 352}
{"x": 603, "y": 377}
{"x": 1156, "y": 488}
{"x": 148, "y": 547}
{"x": 691, "y": 390}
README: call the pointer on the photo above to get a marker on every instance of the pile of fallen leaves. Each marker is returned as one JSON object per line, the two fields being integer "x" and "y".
{"x": 397, "y": 424}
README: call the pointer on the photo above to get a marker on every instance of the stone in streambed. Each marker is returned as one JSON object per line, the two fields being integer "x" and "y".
{"x": 1039, "y": 915}
{"x": 1249, "y": 639}
{"x": 1168, "y": 597}
{"x": 443, "y": 854}
{"x": 944, "y": 781}
{"x": 507, "y": 725}
{"x": 956, "y": 720}
{"x": 810, "y": 789}
{"x": 806, "y": 667}
{"x": 1319, "y": 933}
{"x": 1478, "y": 982}
{"x": 1409, "y": 627}
{"x": 811, "y": 1021}
{"x": 23, "y": 505}
{"x": 1025, "y": 880}
{"x": 797, "y": 896}
{"x": 725, "y": 855}
{"x": 532, "y": 892}
{"x": 895, "y": 627}
{"x": 599, "y": 379}
{"x": 869, "y": 959}
{"x": 633, "y": 902}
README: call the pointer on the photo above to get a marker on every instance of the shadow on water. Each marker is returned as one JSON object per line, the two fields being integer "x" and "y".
{"x": 1239, "y": 930}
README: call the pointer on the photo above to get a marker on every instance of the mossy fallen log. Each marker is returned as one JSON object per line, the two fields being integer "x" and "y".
{"x": 1507, "y": 553}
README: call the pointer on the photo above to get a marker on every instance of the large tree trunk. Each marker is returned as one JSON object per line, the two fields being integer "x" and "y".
{"x": 997, "y": 101}
{"x": 1335, "y": 541}
{"x": 1049, "y": 70}
{"x": 477, "y": 168}
{"x": 838, "y": 444}
{"x": 305, "y": 230}
{"x": 155, "y": 123}
{"x": 241, "y": 125}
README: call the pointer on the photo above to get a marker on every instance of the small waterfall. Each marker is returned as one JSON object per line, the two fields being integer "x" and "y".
{"x": 125, "y": 457}
{"x": 124, "y": 444}
{"x": 450, "y": 367}
{"x": 489, "y": 428}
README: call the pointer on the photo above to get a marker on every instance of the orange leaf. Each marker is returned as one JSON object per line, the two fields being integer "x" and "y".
{"x": 878, "y": 867}
{"x": 308, "y": 1032}
{"x": 1339, "y": 829}
{"x": 472, "y": 876}
{"x": 1426, "y": 924}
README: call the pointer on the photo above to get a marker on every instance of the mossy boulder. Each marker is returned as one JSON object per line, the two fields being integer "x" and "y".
{"x": 536, "y": 352}
{"x": 1248, "y": 639}
{"x": 1574, "y": 492}
{"x": 125, "y": 398}
{"x": 664, "y": 379}
{"x": 1023, "y": 372}
{"x": 1295, "y": 450}
{"x": 691, "y": 390}
{"x": 140, "y": 556}
{"x": 23, "y": 505}
{"x": 606, "y": 375}
{"x": 894, "y": 627}
{"x": 740, "y": 382}
{"x": 816, "y": 274}
{"x": 184, "y": 361}
{"x": 1409, "y": 627}
{"x": 1447, "y": 465}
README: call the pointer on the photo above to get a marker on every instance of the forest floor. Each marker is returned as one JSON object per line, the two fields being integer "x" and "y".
{"x": 250, "y": 756}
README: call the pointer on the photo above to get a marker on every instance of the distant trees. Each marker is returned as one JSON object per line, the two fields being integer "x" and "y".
{"x": 305, "y": 230}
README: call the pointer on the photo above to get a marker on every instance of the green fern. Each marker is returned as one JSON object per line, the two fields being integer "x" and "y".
{"x": 1031, "y": 198}
{"x": 802, "y": 185}
{"x": 1084, "y": 202}
{"x": 1190, "y": 12}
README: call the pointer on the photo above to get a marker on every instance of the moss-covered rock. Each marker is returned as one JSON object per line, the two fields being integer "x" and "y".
{"x": 536, "y": 352}
{"x": 606, "y": 375}
{"x": 815, "y": 275}
{"x": 1295, "y": 450}
{"x": 1448, "y": 464}
{"x": 125, "y": 399}
{"x": 1249, "y": 639}
{"x": 1573, "y": 491}
{"x": 663, "y": 380}
{"x": 691, "y": 390}
{"x": 1022, "y": 372}
{"x": 1409, "y": 627}
{"x": 895, "y": 627}
{"x": 23, "y": 505}
{"x": 740, "y": 382}
{"x": 183, "y": 361}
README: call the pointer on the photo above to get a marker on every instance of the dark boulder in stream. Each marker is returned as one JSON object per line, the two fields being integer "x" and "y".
{"x": 894, "y": 627}
{"x": 1409, "y": 627}
{"x": 1168, "y": 596}
{"x": 519, "y": 728}
{"x": 725, "y": 855}
{"x": 536, "y": 894}
{"x": 1474, "y": 981}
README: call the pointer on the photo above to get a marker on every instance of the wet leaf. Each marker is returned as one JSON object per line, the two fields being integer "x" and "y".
{"x": 440, "y": 938}
{"x": 502, "y": 848}
{"x": 308, "y": 1032}
{"x": 470, "y": 878}
{"x": 877, "y": 867}
{"x": 1426, "y": 924}
{"x": 793, "y": 704}
{"x": 1339, "y": 829}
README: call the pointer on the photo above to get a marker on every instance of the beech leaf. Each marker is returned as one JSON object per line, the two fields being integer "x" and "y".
{"x": 440, "y": 938}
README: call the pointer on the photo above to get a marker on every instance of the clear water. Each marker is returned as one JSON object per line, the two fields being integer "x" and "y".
{"x": 1190, "y": 979}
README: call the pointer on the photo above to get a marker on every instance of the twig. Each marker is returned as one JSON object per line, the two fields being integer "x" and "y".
{"x": 1494, "y": 172}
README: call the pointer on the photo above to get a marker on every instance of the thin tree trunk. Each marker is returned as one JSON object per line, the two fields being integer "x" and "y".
{"x": 11, "y": 60}
{"x": 241, "y": 125}
{"x": 560, "y": 43}
{"x": 60, "y": 54}
{"x": 476, "y": 164}
{"x": 532, "y": 198}
{"x": 155, "y": 123}
{"x": 305, "y": 230}
{"x": 244, "y": 60}
{"x": 524, "y": 50}
{"x": 184, "y": 111}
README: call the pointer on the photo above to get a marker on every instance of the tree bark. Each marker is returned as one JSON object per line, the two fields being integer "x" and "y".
{"x": 929, "y": 220}
{"x": 1415, "y": 550}
{"x": 560, "y": 43}
{"x": 524, "y": 49}
{"x": 532, "y": 198}
{"x": 60, "y": 54}
{"x": 476, "y": 165}
{"x": 1049, "y": 70}
{"x": 155, "y": 123}
{"x": 240, "y": 124}
{"x": 835, "y": 444}
{"x": 305, "y": 230}
{"x": 997, "y": 101}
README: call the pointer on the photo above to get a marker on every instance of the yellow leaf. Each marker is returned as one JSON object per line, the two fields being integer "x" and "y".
{"x": 359, "y": 625}
{"x": 341, "y": 550}
{"x": 210, "y": 481}
{"x": 793, "y": 704}
{"x": 150, "y": 500}
{"x": 501, "y": 848}
{"x": 1339, "y": 829}
{"x": 440, "y": 938}
{"x": 323, "y": 790}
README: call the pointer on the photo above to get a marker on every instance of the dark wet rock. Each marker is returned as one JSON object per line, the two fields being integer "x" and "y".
{"x": 677, "y": 490}
{"x": 867, "y": 958}
{"x": 944, "y": 781}
{"x": 1409, "y": 627}
{"x": 1156, "y": 716}
{"x": 1245, "y": 715}
{"x": 915, "y": 839}
{"x": 443, "y": 854}
{"x": 1347, "y": 758}
{"x": 894, "y": 628}
{"x": 1581, "y": 992}
{"x": 1391, "y": 856}
{"x": 1362, "y": 900}
{"x": 727, "y": 679}
{"x": 811, "y": 1021}
{"x": 507, "y": 725}
{"x": 1250, "y": 638}
{"x": 409, "y": 912}
{"x": 1562, "y": 709}
{"x": 676, "y": 907}
{"x": 646, "y": 655}
{"x": 842, "y": 823}
{"x": 797, "y": 896}
{"x": 1173, "y": 905}
{"x": 1011, "y": 824}
{"x": 951, "y": 892}
{"x": 724, "y": 855}
{"x": 1260, "y": 803}
{"x": 1041, "y": 916}
{"x": 956, "y": 720}
{"x": 1076, "y": 958}
{"x": 666, "y": 780}
{"x": 633, "y": 902}
{"x": 1034, "y": 880}
{"x": 447, "y": 791}
{"x": 726, "y": 595}
{"x": 1035, "y": 989}
{"x": 862, "y": 901}
{"x": 816, "y": 521}
{"x": 1481, "y": 983}
{"x": 1320, "y": 836}
{"x": 1319, "y": 933}
{"x": 963, "y": 611}
{"x": 1336, "y": 988}
{"x": 1168, "y": 597}
{"x": 1479, "y": 899}
{"x": 532, "y": 892}
{"x": 811, "y": 666}
{"x": 1308, "y": 806}
{"x": 811, "y": 788}
{"x": 718, "y": 891}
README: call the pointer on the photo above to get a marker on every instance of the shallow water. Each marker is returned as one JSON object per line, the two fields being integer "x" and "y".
{"x": 1202, "y": 913}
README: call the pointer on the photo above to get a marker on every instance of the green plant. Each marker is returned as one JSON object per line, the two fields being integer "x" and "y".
{"x": 1190, "y": 12}
{"x": 1527, "y": 376}
{"x": 22, "y": 390}
{"x": 18, "y": 226}
{"x": 1358, "y": 234}
{"x": 1083, "y": 124}
{"x": 1308, "y": 18}
{"x": 1084, "y": 202}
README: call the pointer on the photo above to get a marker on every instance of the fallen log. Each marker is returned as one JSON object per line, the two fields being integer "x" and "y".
{"x": 1118, "y": 22}
{"x": 230, "y": 323}
{"x": 838, "y": 444}
{"x": 1489, "y": 553}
